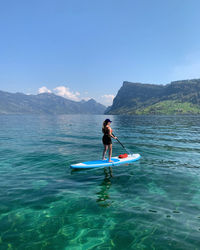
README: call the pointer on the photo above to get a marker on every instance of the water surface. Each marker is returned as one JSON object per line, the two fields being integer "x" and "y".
{"x": 151, "y": 204}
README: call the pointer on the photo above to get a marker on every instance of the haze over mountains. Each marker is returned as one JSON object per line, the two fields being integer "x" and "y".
{"x": 46, "y": 103}
{"x": 179, "y": 97}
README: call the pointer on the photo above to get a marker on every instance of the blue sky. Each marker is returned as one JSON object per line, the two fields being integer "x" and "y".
{"x": 87, "y": 48}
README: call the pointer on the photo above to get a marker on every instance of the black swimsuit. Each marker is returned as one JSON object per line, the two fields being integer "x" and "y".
{"x": 106, "y": 138}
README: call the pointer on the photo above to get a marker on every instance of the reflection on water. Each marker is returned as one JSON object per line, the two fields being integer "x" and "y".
{"x": 104, "y": 198}
{"x": 151, "y": 204}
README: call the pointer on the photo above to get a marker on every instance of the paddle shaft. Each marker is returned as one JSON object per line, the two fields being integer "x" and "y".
{"x": 122, "y": 145}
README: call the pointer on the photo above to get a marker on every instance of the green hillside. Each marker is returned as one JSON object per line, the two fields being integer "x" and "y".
{"x": 180, "y": 97}
{"x": 169, "y": 108}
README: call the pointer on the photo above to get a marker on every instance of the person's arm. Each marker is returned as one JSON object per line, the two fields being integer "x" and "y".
{"x": 114, "y": 137}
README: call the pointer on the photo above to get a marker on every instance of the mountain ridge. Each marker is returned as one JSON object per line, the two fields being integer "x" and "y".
{"x": 144, "y": 98}
{"x": 46, "y": 103}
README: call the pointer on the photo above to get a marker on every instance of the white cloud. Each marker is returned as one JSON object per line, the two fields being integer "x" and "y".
{"x": 66, "y": 93}
{"x": 44, "y": 90}
{"x": 188, "y": 69}
{"x": 107, "y": 99}
{"x": 86, "y": 98}
{"x": 75, "y": 95}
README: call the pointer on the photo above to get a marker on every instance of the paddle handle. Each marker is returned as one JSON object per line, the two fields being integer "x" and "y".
{"x": 122, "y": 145}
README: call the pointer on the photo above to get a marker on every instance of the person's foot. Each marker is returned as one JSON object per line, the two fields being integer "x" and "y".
{"x": 104, "y": 159}
{"x": 110, "y": 161}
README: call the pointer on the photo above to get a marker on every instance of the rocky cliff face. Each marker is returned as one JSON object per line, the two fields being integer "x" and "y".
{"x": 180, "y": 97}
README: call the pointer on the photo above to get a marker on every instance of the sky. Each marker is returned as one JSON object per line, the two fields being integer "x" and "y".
{"x": 83, "y": 49}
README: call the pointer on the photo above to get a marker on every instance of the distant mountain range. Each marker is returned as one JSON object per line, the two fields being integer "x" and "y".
{"x": 179, "y": 97}
{"x": 19, "y": 103}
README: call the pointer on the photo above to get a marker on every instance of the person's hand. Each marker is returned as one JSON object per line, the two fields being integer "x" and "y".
{"x": 115, "y": 137}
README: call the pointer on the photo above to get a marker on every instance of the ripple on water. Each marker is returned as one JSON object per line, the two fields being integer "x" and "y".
{"x": 151, "y": 204}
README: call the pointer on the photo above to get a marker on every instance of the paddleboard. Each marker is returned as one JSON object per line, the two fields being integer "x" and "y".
{"x": 104, "y": 163}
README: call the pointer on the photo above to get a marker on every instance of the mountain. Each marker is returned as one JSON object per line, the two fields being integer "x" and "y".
{"x": 179, "y": 97}
{"x": 19, "y": 103}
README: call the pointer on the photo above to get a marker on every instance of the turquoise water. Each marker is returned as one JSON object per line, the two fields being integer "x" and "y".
{"x": 151, "y": 204}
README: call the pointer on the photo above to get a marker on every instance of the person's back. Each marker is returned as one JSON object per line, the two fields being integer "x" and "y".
{"x": 107, "y": 141}
{"x": 105, "y": 130}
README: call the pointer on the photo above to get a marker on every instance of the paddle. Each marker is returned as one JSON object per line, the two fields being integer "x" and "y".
{"x": 123, "y": 145}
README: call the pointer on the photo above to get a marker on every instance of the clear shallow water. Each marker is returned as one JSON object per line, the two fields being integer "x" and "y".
{"x": 150, "y": 204}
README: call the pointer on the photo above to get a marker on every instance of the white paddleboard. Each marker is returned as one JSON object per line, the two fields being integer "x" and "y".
{"x": 104, "y": 163}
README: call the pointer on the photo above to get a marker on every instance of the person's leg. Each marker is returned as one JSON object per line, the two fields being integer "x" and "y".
{"x": 104, "y": 151}
{"x": 110, "y": 152}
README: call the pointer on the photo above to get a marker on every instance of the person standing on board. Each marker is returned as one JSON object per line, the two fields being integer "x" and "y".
{"x": 107, "y": 141}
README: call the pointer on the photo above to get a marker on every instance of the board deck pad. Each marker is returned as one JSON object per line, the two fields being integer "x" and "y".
{"x": 100, "y": 161}
{"x": 105, "y": 163}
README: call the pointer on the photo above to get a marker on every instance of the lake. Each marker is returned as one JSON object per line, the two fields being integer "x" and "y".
{"x": 150, "y": 204}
